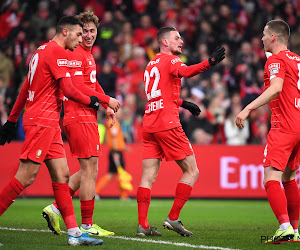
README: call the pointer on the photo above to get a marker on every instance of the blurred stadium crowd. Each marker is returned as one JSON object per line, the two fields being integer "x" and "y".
{"x": 127, "y": 41}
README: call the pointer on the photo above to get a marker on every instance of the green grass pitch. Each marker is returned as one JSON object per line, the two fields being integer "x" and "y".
{"x": 232, "y": 224}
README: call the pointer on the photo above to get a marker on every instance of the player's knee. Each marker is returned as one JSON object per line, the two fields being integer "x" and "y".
{"x": 29, "y": 180}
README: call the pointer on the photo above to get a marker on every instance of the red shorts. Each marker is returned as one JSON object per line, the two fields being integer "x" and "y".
{"x": 282, "y": 150}
{"x": 42, "y": 143}
{"x": 83, "y": 139}
{"x": 171, "y": 144}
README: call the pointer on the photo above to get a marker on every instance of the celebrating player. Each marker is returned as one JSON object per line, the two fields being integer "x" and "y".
{"x": 163, "y": 136}
{"x": 282, "y": 151}
{"x": 81, "y": 120}
{"x": 48, "y": 75}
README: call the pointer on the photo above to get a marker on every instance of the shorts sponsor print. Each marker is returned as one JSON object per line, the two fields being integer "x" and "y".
{"x": 170, "y": 144}
{"x": 42, "y": 143}
{"x": 84, "y": 140}
{"x": 282, "y": 150}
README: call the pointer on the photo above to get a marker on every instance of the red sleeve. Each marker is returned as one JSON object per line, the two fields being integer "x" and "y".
{"x": 180, "y": 101}
{"x": 275, "y": 67}
{"x": 71, "y": 92}
{"x": 100, "y": 90}
{"x": 190, "y": 71}
{"x": 20, "y": 102}
{"x": 78, "y": 82}
{"x": 57, "y": 60}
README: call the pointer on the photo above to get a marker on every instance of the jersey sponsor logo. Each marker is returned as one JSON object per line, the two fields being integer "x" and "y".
{"x": 153, "y": 62}
{"x": 155, "y": 105}
{"x": 74, "y": 63}
{"x": 274, "y": 68}
{"x": 62, "y": 62}
{"x": 30, "y": 95}
{"x": 175, "y": 60}
{"x": 293, "y": 57}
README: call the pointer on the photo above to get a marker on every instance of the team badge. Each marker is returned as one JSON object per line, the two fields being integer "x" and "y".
{"x": 38, "y": 153}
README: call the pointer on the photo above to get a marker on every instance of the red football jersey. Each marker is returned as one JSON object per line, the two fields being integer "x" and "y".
{"x": 162, "y": 87}
{"x": 81, "y": 62}
{"x": 286, "y": 106}
{"x": 43, "y": 105}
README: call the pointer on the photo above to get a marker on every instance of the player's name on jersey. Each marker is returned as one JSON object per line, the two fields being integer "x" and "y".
{"x": 297, "y": 102}
{"x": 155, "y": 105}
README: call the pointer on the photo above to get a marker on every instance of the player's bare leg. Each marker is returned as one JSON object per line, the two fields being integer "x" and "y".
{"x": 27, "y": 172}
{"x": 183, "y": 191}
{"x": 149, "y": 174}
{"x": 278, "y": 203}
{"x": 293, "y": 200}
{"x": 24, "y": 177}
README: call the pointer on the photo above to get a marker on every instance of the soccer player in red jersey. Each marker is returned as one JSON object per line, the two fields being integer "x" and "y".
{"x": 81, "y": 119}
{"x": 48, "y": 76}
{"x": 282, "y": 151}
{"x": 163, "y": 136}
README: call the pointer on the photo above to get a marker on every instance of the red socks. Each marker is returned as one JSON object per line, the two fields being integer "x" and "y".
{"x": 293, "y": 201}
{"x": 71, "y": 193}
{"x": 64, "y": 202}
{"x": 277, "y": 200}
{"x": 182, "y": 194}
{"x": 9, "y": 193}
{"x": 143, "y": 198}
{"x": 87, "y": 210}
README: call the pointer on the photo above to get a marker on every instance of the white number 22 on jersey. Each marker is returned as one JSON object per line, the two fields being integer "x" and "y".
{"x": 154, "y": 91}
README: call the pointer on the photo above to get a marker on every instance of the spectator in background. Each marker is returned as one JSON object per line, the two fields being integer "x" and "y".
{"x": 116, "y": 143}
{"x": 10, "y": 19}
{"x": 106, "y": 33}
{"x": 145, "y": 32}
{"x": 43, "y": 19}
{"x": 3, "y": 111}
{"x": 107, "y": 79}
{"x": 234, "y": 135}
{"x": 6, "y": 68}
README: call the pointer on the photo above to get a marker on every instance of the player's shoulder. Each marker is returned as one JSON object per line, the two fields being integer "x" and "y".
{"x": 53, "y": 50}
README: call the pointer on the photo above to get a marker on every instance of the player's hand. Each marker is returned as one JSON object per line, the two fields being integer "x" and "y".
{"x": 7, "y": 132}
{"x": 240, "y": 118}
{"x": 192, "y": 107}
{"x": 114, "y": 104}
{"x": 94, "y": 102}
{"x": 217, "y": 56}
{"x": 110, "y": 114}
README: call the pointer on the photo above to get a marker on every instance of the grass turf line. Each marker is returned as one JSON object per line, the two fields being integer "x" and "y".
{"x": 222, "y": 223}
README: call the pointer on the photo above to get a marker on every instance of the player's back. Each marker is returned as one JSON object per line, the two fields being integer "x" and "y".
{"x": 81, "y": 62}
{"x": 286, "y": 106}
{"x": 43, "y": 105}
{"x": 162, "y": 87}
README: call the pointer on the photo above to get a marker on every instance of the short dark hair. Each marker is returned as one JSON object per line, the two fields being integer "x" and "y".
{"x": 67, "y": 20}
{"x": 280, "y": 28}
{"x": 164, "y": 30}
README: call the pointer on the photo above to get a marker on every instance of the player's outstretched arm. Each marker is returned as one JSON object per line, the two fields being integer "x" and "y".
{"x": 268, "y": 95}
{"x": 192, "y": 107}
{"x": 190, "y": 71}
{"x": 74, "y": 94}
